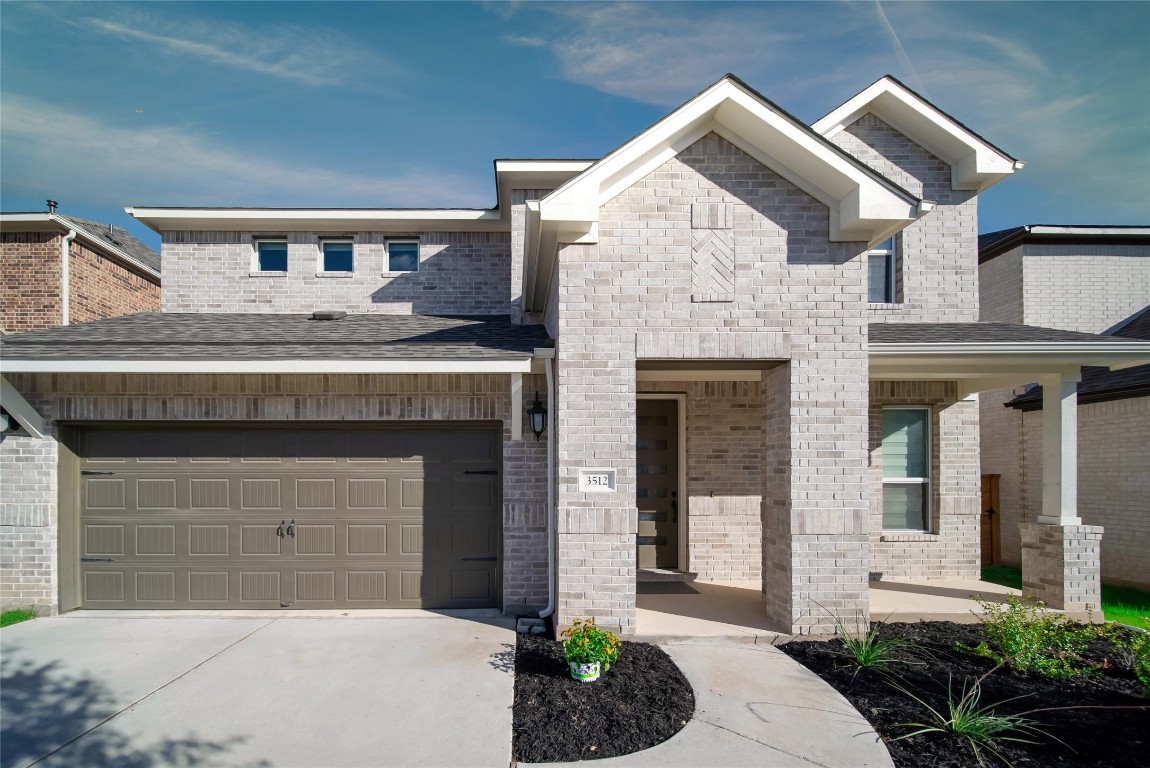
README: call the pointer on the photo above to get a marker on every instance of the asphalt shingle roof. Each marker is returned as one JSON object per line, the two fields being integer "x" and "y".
{"x": 973, "y": 333}
{"x": 1100, "y": 384}
{"x": 168, "y": 336}
{"x": 119, "y": 238}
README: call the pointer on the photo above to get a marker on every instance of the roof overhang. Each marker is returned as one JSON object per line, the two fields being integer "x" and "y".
{"x": 975, "y": 163}
{"x": 864, "y": 207}
{"x": 272, "y": 366}
{"x": 1053, "y": 234}
{"x": 321, "y": 219}
{"x": 40, "y": 222}
{"x": 534, "y": 174}
{"x": 994, "y": 365}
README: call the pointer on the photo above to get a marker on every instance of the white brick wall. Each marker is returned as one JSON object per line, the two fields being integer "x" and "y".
{"x": 459, "y": 273}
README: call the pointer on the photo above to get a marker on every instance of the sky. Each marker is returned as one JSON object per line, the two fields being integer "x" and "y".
{"x": 365, "y": 104}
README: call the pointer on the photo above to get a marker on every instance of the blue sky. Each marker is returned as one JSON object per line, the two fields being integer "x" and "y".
{"x": 104, "y": 105}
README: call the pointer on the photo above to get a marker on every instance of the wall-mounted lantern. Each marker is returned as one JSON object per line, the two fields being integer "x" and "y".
{"x": 537, "y": 417}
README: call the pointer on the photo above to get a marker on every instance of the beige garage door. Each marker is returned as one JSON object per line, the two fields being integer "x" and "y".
{"x": 306, "y": 518}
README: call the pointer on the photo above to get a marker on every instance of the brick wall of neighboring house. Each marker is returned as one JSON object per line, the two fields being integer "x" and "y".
{"x": 796, "y": 296}
{"x": 938, "y": 258}
{"x": 950, "y": 549}
{"x": 29, "y": 281}
{"x": 27, "y": 528}
{"x": 724, "y": 477}
{"x": 459, "y": 273}
{"x": 1087, "y": 288}
{"x": 102, "y": 288}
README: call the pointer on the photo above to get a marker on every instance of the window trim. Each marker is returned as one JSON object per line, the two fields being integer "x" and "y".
{"x": 928, "y": 481}
{"x": 388, "y": 271}
{"x": 256, "y": 270}
{"x": 890, "y": 257}
{"x": 321, "y": 267}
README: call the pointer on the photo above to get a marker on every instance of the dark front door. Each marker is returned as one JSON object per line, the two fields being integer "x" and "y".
{"x": 657, "y": 483}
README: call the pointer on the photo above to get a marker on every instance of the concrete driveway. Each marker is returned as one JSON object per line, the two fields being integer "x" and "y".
{"x": 98, "y": 690}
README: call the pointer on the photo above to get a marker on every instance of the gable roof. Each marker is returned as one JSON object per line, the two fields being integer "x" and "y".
{"x": 975, "y": 163}
{"x": 119, "y": 243}
{"x": 1101, "y": 384}
{"x": 864, "y": 206}
{"x": 993, "y": 244}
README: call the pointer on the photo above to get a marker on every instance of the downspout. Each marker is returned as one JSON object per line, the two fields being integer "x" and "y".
{"x": 548, "y": 363}
{"x": 66, "y": 276}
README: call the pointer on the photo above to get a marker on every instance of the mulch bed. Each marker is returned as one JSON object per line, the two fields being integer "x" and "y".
{"x": 1093, "y": 737}
{"x": 643, "y": 700}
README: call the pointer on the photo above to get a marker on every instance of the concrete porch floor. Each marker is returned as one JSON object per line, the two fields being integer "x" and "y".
{"x": 735, "y": 609}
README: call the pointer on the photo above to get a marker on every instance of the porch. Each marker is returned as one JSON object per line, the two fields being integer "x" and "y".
{"x": 734, "y": 609}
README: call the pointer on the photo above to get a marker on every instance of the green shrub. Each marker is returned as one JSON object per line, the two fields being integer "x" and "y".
{"x": 1133, "y": 648}
{"x": 16, "y": 616}
{"x": 1031, "y": 640}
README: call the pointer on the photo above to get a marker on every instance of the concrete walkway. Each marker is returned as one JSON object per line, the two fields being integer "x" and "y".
{"x": 139, "y": 692}
{"x": 755, "y": 707}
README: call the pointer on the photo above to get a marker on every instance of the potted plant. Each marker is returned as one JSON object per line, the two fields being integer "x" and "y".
{"x": 589, "y": 650}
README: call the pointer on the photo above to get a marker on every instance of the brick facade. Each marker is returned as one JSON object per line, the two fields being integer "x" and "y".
{"x": 30, "y": 281}
{"x": 99, "y": 287}
{"x": 460, "y": 273}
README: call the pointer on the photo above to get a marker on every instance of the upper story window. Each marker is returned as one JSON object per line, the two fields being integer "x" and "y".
{"x": 402, "y": 255}
{"x": 271, "y": 256}
{"x": 337, "y": 256}
{"x": 906, "y": 469}
{"x": 882, "y": 264}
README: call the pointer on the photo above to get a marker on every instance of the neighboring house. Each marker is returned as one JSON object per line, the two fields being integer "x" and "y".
{"x": 58, "y": 270}
{"x": 1094, "y": 279}
{"x": 725, "y": 383}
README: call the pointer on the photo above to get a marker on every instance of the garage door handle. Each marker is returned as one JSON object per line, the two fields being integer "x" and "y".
{"x": 481, "y": 472}
{"x": 280, "y": 529}
{"x": 291, "y": 529}
{"x": 490, "y": 559}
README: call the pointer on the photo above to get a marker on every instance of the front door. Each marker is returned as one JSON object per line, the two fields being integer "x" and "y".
{"x": 657, "y": 483}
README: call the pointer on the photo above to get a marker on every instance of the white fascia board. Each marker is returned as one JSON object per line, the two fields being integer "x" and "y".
{"x": 533, "y": 174}
{"x": 320, "y": 219}
{"x": 268, "y": 366}
{"x": 20, "y": 409}
{"x": 975, "y": 164}
{"x": 972, "y": 361}
{"x": 25, "y": 222}
{"x": 1090, "y": 349}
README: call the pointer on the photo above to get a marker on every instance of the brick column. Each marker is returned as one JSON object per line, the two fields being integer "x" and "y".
{"x": 1061, "y": 566}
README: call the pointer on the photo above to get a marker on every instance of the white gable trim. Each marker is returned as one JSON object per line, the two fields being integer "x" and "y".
{"x": 975, "y": 163}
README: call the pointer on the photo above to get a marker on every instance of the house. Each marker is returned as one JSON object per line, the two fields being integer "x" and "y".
{"x": 1094, "y": 279}
{"x": 673, "y": 357}
{"x": 58, "y": 270}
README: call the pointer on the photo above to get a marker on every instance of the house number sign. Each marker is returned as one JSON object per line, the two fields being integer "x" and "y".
{"x": 597, "y": 480}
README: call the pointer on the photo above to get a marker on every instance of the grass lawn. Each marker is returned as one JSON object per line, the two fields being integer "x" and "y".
{"x": 1124, "y": 604}
{"x": 16, "y": 616}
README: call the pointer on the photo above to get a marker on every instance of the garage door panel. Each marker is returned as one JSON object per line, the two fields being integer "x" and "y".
{"x": 383, "y": 518}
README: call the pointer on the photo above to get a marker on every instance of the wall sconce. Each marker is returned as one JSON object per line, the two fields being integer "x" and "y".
{"x": 537, "y": 417}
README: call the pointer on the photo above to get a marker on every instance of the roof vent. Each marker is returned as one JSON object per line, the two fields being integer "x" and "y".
{"x": 328, "y": 314}
{"x": 52, "y": 206}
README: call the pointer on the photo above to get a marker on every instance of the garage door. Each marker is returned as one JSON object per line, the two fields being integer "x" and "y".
{"x": 304, "y": 518}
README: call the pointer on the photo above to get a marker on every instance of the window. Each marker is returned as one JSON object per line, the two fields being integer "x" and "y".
{"x": 337, "y": 255}
{"x": 906, "y": 469}
{"x": 881, "y": 287}
{"x": 403, "y": 256}
{"x": 271, "y": 255}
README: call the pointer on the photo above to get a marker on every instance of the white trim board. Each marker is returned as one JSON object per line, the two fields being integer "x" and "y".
{"x": 267, "y": 366}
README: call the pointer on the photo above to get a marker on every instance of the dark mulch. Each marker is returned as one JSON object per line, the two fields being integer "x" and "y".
{"x": 643, "y": 700}
{"x": 1093, "y": 737}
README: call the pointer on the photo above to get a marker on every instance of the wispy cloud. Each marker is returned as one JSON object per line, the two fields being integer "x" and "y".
{"x": 49, "y": 148}
{"x": 311, "y": 56}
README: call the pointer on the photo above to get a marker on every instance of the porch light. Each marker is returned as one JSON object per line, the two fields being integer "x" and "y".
{"x": 537, "y": 417}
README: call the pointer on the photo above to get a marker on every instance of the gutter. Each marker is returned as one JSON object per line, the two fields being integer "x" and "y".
{"x": 66, "y": 275}
{"x": 548, "y": 356}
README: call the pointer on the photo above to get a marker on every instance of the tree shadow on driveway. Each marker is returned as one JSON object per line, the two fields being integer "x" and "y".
{"x": 46, "y": 714}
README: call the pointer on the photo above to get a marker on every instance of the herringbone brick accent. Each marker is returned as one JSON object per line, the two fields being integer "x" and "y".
{"x": 713, "y": 262}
